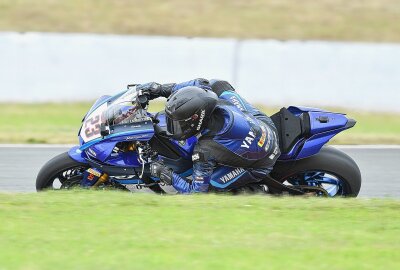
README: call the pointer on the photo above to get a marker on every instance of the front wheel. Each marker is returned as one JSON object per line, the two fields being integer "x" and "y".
{"x": 330, "y": 172}
{"x": 61, "y": 172}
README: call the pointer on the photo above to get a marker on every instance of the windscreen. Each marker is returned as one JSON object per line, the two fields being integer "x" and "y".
{"x": 124, "y": 109}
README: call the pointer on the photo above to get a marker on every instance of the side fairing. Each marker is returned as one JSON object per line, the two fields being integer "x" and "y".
{"x": 324, "y": 126}
{"x": 101, "y": 148}
{"x": 130, "y": 132}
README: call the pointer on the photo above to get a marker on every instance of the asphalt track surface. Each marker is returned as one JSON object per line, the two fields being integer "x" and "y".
{"x": 379, "y": 165}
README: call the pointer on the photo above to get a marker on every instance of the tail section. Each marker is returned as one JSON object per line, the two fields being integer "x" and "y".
{"x": 303, "y": 131}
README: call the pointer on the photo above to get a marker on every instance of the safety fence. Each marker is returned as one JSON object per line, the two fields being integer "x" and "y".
{"x": 70, "y": 67}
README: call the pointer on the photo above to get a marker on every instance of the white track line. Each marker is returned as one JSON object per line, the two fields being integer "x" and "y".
{"x": 36, "y": 145}
{"x": 377, "y": 146}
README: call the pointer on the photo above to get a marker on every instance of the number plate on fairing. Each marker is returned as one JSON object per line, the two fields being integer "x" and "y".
{"x": 91, "y": 125}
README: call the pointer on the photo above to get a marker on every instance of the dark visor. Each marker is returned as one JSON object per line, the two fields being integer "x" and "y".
{"x": 183, "y": 129}
{"x": 178, "y": 127}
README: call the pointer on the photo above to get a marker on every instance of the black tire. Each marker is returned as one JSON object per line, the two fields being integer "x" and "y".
{"x": 63, "y": 162}
{"x": 330, "y": 160}
{"x": 53, "y": 168}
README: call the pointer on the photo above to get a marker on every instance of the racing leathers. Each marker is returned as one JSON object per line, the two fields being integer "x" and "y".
{"x": 239, "y": 145}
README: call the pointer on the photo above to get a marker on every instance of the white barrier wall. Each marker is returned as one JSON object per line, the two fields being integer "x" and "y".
{"x": 68, "y": 67}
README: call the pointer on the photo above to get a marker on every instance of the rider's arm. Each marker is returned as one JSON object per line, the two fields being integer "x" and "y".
{"x": 199, "y": 82}
{"x": 203, "y": 168}
{"x": 156, "y": 90}
{"x": 202, "y": 172}
{"x": 201, "y": 177}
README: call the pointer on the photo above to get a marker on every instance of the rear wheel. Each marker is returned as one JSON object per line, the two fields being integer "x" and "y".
{"x": 330, "y": 172}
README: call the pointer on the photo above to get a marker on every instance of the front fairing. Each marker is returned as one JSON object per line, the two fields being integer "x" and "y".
{"x": 125, "y": 121}
{"x": 112, "y": 120}
{"x": 114, "y": 116}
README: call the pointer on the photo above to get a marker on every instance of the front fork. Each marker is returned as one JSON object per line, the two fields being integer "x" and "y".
{"x": 93, "y": 178}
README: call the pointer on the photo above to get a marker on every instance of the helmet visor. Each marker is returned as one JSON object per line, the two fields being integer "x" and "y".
{"x": 183, "y": 129}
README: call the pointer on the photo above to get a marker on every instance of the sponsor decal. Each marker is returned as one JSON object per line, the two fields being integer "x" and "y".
{"x": 199, "y": 180}
{"x": 249, "y": 139}
{"x": 196, "y": 157}
{"x": 132, "y": 138}
{"x": 237, "y": 103}
{"x": 94, "y": 172}
{"x": 202, "y": 114}
{"x": 261, "y": 142}
{"x": 92, "y": 152}
{"x": 229, "y": 176}
{"x": 276, "y": 151}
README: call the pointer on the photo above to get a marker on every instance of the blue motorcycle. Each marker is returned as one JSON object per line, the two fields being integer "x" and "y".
{"x": 119, "y": 138}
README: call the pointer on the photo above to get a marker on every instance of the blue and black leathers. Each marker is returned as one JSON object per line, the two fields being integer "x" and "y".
{"x": 238, "y": 146}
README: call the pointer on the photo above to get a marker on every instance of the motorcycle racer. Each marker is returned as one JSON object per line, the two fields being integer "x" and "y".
{"x": 230, "y": 132}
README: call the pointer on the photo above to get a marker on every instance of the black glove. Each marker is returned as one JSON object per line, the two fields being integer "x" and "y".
{"x": 154, "y": 90}
{"x": 203, "y": 83}
{"x": 159, "y": 170}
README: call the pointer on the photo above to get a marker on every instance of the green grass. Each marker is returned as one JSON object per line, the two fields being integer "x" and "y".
{"x": 113, "y": 230}
{"x": 368, "y": 20}
{"x": 59, "y": 123}
{"x": 41, "y": 123}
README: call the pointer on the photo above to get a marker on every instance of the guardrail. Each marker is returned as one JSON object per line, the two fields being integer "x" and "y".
{"x": 60, "y": 67}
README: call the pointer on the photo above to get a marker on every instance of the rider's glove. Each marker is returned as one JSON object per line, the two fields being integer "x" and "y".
{"x": 203, "y": 83}
{"x": 154, "y": 90}
{"x": 159, "y": 170}
{"x": 199, "y": 82}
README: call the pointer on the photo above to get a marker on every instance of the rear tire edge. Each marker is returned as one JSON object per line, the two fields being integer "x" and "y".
{"x": 330, "y": 160}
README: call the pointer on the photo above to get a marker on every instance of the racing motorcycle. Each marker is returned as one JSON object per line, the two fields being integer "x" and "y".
{"x": 119, "y": 138}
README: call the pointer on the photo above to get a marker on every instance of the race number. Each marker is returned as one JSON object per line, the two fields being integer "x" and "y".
{"x": 92, "y": 124}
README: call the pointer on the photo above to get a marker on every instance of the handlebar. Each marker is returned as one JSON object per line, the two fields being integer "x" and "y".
{"x": 142, "y": 97}
{"x": 143, "y": 100}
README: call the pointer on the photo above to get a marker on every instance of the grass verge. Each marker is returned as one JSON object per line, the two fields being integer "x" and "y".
{"x": 59, "y": 123}
{"x": 367, "y": 20}
{"x": 114, "y": 230}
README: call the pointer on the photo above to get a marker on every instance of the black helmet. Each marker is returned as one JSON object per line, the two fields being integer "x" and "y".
{"x": 188, "y": 111}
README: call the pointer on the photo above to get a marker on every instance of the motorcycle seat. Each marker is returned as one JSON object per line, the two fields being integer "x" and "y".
{"x": 291, "y": 128}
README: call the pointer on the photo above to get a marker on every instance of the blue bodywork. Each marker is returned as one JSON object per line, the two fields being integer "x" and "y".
{"x": 320, "y": 132}
{"x": 100, "y": 150}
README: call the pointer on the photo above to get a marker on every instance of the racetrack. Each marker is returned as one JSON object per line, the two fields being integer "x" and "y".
{"x": 19, "y": 165}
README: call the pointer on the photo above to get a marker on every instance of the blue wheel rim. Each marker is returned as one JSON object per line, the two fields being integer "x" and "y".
{"x": 333, "y": 184}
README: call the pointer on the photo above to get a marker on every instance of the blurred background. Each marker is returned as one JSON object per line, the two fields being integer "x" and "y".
{"x": 57, "y": 57}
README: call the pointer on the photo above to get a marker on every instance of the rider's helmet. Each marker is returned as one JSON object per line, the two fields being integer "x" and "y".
{"x": 188, "y": 111}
